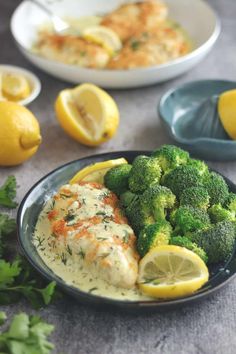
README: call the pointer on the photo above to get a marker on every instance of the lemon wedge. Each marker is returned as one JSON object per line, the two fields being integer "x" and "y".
{"x": 171, "y": 272}
{"x": 96, "y": 171}
{"x": 227, "y": 112}
{"x": 103, "y": 36}
{"x": 88, "y": 114}
{"x": 81, "y": 23}
{"x": 15, "y": 87}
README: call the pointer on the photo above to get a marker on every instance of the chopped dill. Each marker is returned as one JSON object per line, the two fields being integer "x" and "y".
{"x": 135, "y": 44}
{"x": 69, "y": 250}
{"x": 81, "y": 253}
{"x": 101, "y": 213}
{"x": 63, "y": 258}
{"x": 92, "y": 289}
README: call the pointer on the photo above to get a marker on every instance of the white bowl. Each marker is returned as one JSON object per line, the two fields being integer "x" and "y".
{"x": 35, "y": 84}
{"x": 196, "y": 17}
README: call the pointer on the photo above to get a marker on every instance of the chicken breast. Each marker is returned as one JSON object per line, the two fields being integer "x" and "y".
{"x": 159, "y": 45}
{"x": 71, "y": 50}
{"x": 130, "y": 18}
{"x": 87, "y": 224}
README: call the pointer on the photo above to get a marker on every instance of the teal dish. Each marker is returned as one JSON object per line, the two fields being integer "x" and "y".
{"x": 189, "y": 113}
{"x": 32, "y": 205}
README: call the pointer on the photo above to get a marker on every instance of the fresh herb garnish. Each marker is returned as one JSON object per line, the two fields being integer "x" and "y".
{"x": 135, "y": 44}
{"x": 101, "y": 213}
{"x": 69, "y": 217}
{"x": 69, "y": 250}
{"x": 26, "y": 334}
{"x": 126, "y": 237}
{"x": 63, "y": 258}
{"x": 8, "y": 193}
{"x": 81, "y": 253}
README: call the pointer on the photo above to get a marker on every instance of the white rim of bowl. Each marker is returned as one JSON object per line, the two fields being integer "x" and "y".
{"x": 202, "y": 48}
{"x": 34, "y": 82}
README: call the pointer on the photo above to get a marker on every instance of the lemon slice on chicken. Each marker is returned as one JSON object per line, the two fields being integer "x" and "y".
{"x": 171, "y": 272}
{"x": 96, "y": 171}
{"x": 103, "y": 36}
{"x": 88, "y": 114}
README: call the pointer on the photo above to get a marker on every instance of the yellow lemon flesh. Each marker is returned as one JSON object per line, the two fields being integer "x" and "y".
{"x": 171, "y": 271}
{"x": 227, "y": 112}
{"x": 19, "y": 134}
{"x": 88, "y": 114}
{"x": 15, "y": 87}
{"x": 103, "y": 36}
{"x": 80, "y": 24}
{"x": 96, "y": 172}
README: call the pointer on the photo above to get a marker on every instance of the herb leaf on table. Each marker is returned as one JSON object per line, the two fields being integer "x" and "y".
{"x": 26, "y": 334}
{"x": 8, "y": 193}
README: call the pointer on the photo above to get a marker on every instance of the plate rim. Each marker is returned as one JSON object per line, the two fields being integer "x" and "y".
{"x": 94, "y": 299}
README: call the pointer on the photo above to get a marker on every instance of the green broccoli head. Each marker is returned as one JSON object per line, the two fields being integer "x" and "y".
{"x": 183, "y": 241}
{"x": 182, "y": 177}
{"x": 217, "y": 241}
{"x": 200, "y": 166}
{"x": 189, "y": 219}
{"x": 127, "y": 198}
{"x": 138, "y": 217}
{"x": 116, "y": 179}
{"x": 217, "y": 213}
{"x": 156, "y": 199}
{"x": 216, "y": 188}
{"x": 145, "y": 171}
{"x": 231, "y": 202}
{"x": 170, "y": 156}
{"x": 153, "y": 235}
{"x": 195, "y": 196}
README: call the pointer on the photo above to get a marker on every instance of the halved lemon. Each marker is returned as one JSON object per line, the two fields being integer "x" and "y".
{"x": 15, "y": 87}
{"x": 171, "y": 271}
{"x": 104, "y": 36}
{"x": 88, "y": 114}
{"x": 96, "y": 171}
{"x": 227, "y": 112}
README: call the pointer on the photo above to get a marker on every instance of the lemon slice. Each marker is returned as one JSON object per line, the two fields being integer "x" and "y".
{"x": 96, "y": 171}
{"x": 88, "y": 114}
{"x": 103, "y": 36}
{"x": 15, "y": 87}
{"x": 171, "y": 271}
{"x": 227, "y": 112}
{"x": 81, "y": 23}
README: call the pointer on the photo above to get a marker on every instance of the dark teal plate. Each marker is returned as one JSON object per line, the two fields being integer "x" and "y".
{"x": 189, "y": 113}
{"x": 33, "y": 203}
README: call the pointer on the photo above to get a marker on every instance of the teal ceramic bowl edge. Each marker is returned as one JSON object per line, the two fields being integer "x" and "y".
{"x": 31, "y": 206}
{"x": 205, "y": 148}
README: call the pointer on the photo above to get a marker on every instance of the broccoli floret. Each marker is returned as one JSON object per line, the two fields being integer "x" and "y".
{"x": 145, "y": 171}
{"x": 182, "y": 177}
{"x": 183, "y": 241}
{"x": 170, "y": 156}
{"x": 153, "y": 235}
{"x": 127, "y": 198}
{"x": 217, "y": 213}
{"x": 199, "y": 165}
{"x": 196, "y": 197}
{"x": 189, "y": 219}
{"x": 231, "y": 202}
{"x": 216, "y": 188}
{"x": 137, "y": 216}
{"x": 156, "y": 199}
{"x": 116, "y": 179}
{"x": 217, "y": 241}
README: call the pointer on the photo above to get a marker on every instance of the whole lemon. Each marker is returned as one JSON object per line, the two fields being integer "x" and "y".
{"x": 19, "y": 134}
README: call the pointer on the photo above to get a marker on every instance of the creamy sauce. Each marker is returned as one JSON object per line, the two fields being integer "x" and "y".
{"x": 73, "y": 270}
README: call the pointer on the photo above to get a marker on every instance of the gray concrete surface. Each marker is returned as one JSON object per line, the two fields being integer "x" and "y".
{"x": 206, "y": 327}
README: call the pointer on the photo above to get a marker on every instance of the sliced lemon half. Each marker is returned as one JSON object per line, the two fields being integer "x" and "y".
{"x": 96, "y": 171}
{"x": 15, "y": 87}
{"x": 227, "y": 112}
{"x": 171, "y": 271}
{"x": 103, "y": 36}
{"x": 88, "y": 114}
